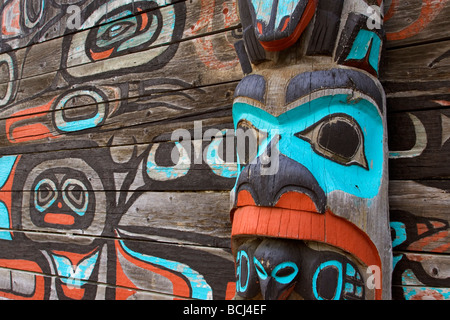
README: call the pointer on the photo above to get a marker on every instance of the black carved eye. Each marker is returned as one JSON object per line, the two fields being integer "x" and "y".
{"x": 337, "y": 137}
{"x": 249, "y": 138}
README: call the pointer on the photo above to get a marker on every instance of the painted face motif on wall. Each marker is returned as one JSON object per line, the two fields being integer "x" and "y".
{"x": 62, "y": 193}
{"x": 62, "y": 197}
{"x": 121, "y": 33}
{"x": 326, "y": 149}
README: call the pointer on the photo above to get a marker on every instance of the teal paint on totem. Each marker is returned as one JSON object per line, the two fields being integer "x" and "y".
{"x": 334, "y": 264}
{"x": 331, "y": 176}
{"x": 199, "y": 287}
{"x": 79, "y": 125}
{"x": 285, "y": 8}
{"x": 239, "y": 256}
{"x": 262, "y": 274}
{"x": 263, "y": 10}
{"x": 4, "y": 222}
{"x": 287, "y": 278}
{"x": 361, "y": 46}
{"x": 350, "y": 271}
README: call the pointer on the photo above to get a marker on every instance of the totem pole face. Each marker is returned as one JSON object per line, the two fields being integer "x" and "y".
{"x": 309, "y": 212}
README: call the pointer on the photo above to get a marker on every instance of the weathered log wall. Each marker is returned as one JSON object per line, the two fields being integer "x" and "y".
{"x": 417, "y": 81}
{"x": 93, "y": 206}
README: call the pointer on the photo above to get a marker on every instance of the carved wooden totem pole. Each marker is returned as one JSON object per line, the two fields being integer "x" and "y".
{"x": 310, "y": 206}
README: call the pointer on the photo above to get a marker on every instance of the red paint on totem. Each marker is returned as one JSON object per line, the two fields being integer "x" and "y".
{"x": 281, "y": 44}
{"x": 286, "y": 23}
{"x": 295, "y": 217}
{"x": 231, "y": 291}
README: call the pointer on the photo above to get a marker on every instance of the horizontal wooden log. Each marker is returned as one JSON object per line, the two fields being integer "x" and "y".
{"x": 419, "y": 144}
{"x": 426, "y": 62}
{"x": 198, "y": 68}
{"x": 406, "y": 96}
{"x": 192, "y": 19}
{"x": 200, "y": 218}
{"x": 143, "y": 116}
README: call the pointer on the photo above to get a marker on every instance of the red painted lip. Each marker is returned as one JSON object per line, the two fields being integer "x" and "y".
{"x": 59, "y": 218}
{"x": 295, "y": 217}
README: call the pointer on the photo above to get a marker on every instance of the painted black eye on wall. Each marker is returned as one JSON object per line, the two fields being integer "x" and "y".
{"x": 146, "y": 31}
{"x": 125, "y": 35}
{"x": 76, "y": 196}
{"x": 339, "y": 138}
{"x": 45, "y": 194}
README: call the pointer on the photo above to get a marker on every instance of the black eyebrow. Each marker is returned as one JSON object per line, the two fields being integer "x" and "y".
{"x": 252, "y": 86}
{"x": 309, "y": 82}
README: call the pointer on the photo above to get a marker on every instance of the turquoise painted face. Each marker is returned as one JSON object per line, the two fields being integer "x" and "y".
{"x": 339, "y": 141}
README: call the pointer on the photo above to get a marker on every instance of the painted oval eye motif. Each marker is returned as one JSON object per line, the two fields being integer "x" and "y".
{"x": 339, "y": 138}
{"x": 285, "y": 272}
{"x": 45, "y": 194}
{"x": 76, "y": 196}
{"x": 125, "y": 35}
{"x": 249, "y": 139}
{"x": 262, "y": 274}
{"x": 114, "y": 32}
